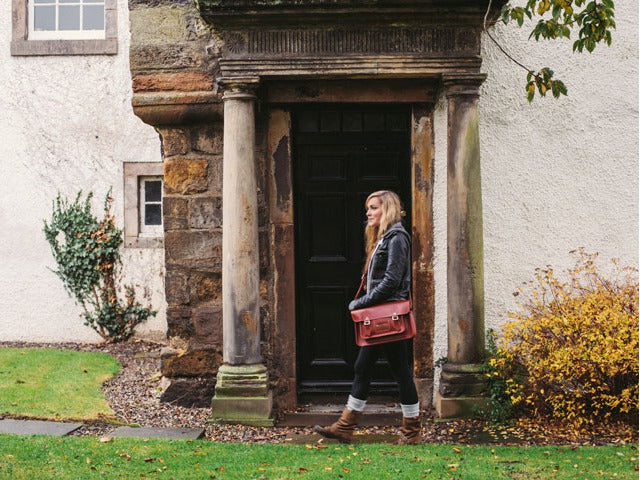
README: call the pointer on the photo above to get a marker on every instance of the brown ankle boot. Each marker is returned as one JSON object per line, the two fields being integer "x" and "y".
{"x": 342, "y": 430}
{"x": 410, "y": 431}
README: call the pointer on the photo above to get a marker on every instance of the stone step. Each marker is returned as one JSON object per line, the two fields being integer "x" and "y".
{"x": 37, "y": 427}
{"x": 325, "y": 414}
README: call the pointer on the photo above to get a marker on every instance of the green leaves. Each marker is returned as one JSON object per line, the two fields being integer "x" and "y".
{"x": 543, "y": 82}
{"x": 593, "y": 20}
{"x": 86, "y": 251}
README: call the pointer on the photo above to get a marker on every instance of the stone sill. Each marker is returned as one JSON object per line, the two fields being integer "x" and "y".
{"x": 64, "y": 47}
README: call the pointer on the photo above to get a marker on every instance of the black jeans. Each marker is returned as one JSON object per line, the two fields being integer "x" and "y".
{"x": 397, "y": 354}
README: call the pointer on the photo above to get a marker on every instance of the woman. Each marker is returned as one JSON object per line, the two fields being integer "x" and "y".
{"x": 388, "y": 278}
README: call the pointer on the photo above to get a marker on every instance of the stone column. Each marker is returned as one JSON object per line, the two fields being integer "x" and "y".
{"x": 461, "y": 382}
{"x": 241, "y": 394}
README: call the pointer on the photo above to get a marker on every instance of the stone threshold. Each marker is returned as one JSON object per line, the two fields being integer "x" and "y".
{"x": 375, "y": 415}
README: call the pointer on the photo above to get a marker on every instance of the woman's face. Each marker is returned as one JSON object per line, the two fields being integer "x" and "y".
{"x": 374, "y": 212}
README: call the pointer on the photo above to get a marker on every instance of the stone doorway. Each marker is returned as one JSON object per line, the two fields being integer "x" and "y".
{"x": 341, "y": 153}
{"x": 413, "y": 180}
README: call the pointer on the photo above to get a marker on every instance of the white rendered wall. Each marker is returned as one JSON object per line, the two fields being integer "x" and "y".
{"x": 556, "y": 174}
{"x": 66, "y": 124}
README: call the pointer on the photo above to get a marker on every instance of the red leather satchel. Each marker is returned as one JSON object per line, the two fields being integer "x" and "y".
{"x": 383, "y": 323}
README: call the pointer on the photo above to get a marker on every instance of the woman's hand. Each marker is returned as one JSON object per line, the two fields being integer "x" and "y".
{"x": 352, "y": 305}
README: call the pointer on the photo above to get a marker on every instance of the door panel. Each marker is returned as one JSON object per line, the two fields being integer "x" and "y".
{"x": 342, "y": 153}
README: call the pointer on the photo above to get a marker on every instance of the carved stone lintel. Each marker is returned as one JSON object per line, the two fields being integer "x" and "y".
{"x": 322, "y": 42}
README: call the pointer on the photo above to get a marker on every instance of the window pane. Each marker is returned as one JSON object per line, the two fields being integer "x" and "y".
{"x": 69, "y": 18}
{"x": 69, "y": 1}
{"x": 152, "y": 190}
{"x": 152, "y": 215}
{"x": 50, "y": 2}
{"x": 93, "y": 17}
{"x": 44, "y": 18}
{"x": 93, "y": 1}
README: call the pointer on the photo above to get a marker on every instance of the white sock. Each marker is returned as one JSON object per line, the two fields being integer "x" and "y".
{"x": 410, "y": 411}
{"x": 355, "y": 404}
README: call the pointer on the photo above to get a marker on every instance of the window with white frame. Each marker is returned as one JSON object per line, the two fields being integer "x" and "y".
{"x": 66, "y": 19}
{"x": 64, "y": 27}
{"x": 143, "y": 219}
{"x": 150, "y": 206}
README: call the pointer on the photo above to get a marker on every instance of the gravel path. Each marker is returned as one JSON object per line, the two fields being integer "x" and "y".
{"x": 134, "y": 393}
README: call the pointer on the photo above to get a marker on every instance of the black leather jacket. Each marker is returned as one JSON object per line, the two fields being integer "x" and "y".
{"x": 389, "y": 273}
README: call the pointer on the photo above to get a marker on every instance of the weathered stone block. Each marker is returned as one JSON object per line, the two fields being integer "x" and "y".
{"x": 185, "y": 175}
{"x": 207, "y": 139}
{"x": 189, "y": 392}
{"x": 207, "y": 322}
{"x": 175, "y": 141}
{"x": 205, "y": 212}
{"x": 175, "y": 213}
{"x": 195, "y": 363}
{"x": 193, "y": 245}
{"x": 176, "y": 288}
{"x": 205, "y": 287}
{"x": 166, "y": 57}
{"x": 175, "y": 206}
{"x": 174, "y": 81}
{"x": 179, "y": 321}
{"x": 159, "y": 25}
{"x": 458, "y": 407}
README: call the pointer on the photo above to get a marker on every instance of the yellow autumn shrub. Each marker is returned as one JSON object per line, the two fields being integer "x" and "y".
{"x": 571, "y": 350}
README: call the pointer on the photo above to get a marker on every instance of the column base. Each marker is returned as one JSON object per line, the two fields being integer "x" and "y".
{"x": 242, "y": 396}
{"x": 463, "y": 387}
{"x": 450, "y": 408}
{"x": 462, "y": 380}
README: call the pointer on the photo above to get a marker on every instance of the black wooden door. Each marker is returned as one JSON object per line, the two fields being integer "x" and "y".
{"x": 341, "y": 155}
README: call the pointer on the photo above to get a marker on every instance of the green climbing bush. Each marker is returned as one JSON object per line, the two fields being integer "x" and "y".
{"x": 86, "y": 251}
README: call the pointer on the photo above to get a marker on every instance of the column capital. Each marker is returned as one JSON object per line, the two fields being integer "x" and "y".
{"x": 238, "y": 87}
{"x": 456, "y": 84}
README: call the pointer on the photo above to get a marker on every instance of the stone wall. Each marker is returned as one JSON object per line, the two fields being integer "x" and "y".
{"x": 173, "y": 65}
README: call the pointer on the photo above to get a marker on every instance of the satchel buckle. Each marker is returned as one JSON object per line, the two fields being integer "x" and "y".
{"x": 395, "y": 317}
{"x": 367, "y": 322}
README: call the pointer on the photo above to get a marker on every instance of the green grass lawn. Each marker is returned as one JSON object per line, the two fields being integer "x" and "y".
{"x": 54, "y": 384}
{"x": 23, "y": 457}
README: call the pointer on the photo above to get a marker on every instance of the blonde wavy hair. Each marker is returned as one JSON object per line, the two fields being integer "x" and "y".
{"x": 392, "y": 213}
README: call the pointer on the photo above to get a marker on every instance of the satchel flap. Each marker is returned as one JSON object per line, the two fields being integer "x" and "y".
{"x": 401, "y": 307}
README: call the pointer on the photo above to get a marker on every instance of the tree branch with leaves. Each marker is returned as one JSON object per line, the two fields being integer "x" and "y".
{"x": 556, "y": 19}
